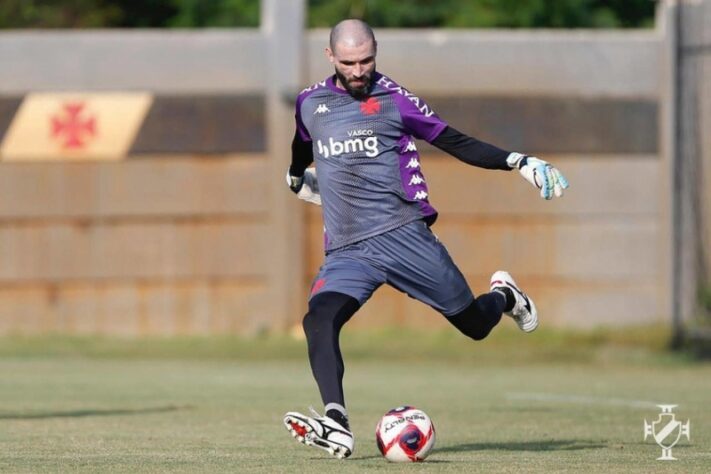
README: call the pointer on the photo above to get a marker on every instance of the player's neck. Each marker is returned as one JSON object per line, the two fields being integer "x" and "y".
{"x": 339, "y": 84}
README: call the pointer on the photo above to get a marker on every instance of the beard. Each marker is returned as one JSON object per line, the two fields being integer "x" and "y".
{"x": 357, "y": 92}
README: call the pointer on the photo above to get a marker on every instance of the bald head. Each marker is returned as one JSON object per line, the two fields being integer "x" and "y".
{"x": 352, "y": 51}
{"x": 351, "y": 33}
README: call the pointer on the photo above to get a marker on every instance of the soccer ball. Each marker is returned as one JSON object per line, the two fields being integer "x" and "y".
{"x": 405, "y": 434}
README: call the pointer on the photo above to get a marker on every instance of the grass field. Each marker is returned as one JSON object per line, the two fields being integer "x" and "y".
{"x": 548, "y": 402}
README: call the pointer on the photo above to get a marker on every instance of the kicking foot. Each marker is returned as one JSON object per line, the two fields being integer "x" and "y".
{"x": 523, "y": 311}
{"x": 320, "y": 431}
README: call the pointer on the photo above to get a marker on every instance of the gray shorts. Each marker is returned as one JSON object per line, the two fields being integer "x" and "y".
{"x": 409, "y": 258}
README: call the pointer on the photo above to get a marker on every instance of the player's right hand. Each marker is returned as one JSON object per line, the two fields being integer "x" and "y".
{"x": 305, "y": 187}
{"x": 539, "y": 173}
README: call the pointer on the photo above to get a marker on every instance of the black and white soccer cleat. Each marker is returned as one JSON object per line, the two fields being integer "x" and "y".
{"x": 320, "y": 431}
{"x": 524, "y": 311}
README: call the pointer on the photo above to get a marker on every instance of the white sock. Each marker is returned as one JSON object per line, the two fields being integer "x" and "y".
{"x": 338, "y": 407}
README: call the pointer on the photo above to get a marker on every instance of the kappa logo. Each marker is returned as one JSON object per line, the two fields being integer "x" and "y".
{"x": 420, "y": 195}
{"x": 321, "y": 109}
{"x": 353, "y": 145}
{"x": 413, "y": 163}
{"x": 416, "y": 179}
{"x": 666, "y": 431}
{"x": 411, "y": 146}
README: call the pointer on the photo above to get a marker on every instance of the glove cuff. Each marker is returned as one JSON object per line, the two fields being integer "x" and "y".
{"x": 294, "y": 182}
{"x": 516, "y": 160}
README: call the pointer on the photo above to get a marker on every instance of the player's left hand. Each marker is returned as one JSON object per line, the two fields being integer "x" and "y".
{"x": 539, "y": 173}
{"x": 305, "y": 187}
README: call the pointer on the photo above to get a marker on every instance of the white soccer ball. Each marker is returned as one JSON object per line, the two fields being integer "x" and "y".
{"x": 405, "y": 434}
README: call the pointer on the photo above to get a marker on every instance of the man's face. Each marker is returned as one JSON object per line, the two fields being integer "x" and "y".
{"x": 354, "y": 67}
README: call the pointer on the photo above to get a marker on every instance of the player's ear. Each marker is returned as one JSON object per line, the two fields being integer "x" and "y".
{"x": 329, "y": 55}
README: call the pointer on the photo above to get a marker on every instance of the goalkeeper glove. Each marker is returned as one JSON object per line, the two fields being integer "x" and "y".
{"x": 305, "y": 187}
{"x": 540, "y": 174}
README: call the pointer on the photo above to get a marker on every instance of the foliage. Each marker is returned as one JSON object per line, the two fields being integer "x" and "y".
{"x": 325, "y": 13}
{"x": 487, "y": 13}
{"x": 58, "y": 14}
{"x": 225, "y": 13}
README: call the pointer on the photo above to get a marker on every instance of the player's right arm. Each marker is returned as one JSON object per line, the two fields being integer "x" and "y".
{"x": 302, "y": 156}
{"x": 300, "y": 178}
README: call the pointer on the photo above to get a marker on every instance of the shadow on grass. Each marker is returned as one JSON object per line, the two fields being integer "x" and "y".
{"x": 367, "y": 458}
{"x": 86, "y": 413}
{"x": 549, "y": 445}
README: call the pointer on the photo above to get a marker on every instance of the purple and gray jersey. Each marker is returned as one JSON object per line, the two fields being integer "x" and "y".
{"x": 368, "y": 168}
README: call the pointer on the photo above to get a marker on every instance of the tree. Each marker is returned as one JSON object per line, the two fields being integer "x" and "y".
{"x": 325, "y": 13}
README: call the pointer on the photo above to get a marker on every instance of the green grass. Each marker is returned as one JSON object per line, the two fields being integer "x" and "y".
{"x": 548, "y": 402}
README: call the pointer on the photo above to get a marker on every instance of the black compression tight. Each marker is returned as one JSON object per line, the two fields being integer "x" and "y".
{"x": 479, "y": 318}
{"x": 328, "y": 312}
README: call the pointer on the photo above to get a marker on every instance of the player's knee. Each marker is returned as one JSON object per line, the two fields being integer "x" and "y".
{"x": 316, "y": 320}
{"x": 308, "y": 323}
{"x": 479, "y": 333}
{"x": 471, "y": 322}
{"x": 313, "y": 323}
{"x": 327, "y": 313}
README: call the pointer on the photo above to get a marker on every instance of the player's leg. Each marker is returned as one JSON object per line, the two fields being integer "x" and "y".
{"x": 479, "y": 318}
{"x": 519, "y": 305}
{"x": 419, "y": 265}
{"x": 328, "y": 312}
{"x": 344, "y": 283}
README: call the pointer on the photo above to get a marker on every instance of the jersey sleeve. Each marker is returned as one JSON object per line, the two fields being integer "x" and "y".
{"x": 472, "y": 151}
{"x": 302, "y": 155}
{"x": 300, "y": 127}
{"x": 418, "y": 118}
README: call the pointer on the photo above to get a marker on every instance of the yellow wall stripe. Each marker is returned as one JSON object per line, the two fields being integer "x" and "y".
{"x": 75, "y": 126}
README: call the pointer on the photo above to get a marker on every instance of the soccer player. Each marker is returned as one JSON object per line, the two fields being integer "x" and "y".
{"x": 359, "y": 126}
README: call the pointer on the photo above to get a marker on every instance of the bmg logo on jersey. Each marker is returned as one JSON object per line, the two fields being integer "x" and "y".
{"x": 361, "y": 141}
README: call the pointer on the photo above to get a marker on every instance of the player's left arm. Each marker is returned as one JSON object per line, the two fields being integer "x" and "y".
{"x": 470, "y": 150}
{"x": 539, "y": 173}
{"x": 421, "y": 121}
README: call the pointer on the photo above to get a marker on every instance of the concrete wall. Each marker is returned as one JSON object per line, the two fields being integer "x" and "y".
{"x": 153, "y": 60}
{"x": 163, "y": 246}
{"x": 181, "y": 243}
{"x": 513, "y": 62}
{"x": 704, "y": 124}
{"x": 694, "y": 161}
{"x": 552, "y": 63}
